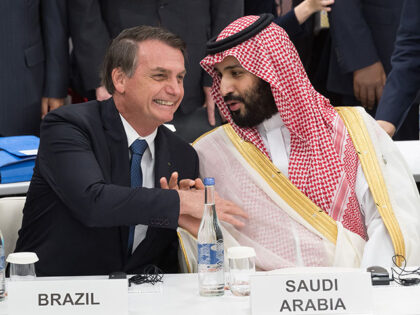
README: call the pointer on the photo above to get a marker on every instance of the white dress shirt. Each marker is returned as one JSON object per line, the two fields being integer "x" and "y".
{"x": 379, "y": 249}
{"x": 147, "y": 169}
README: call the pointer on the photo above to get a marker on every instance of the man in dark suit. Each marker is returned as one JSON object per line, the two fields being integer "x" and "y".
{"x": 256, "y": 7}
{"x": 92, "y": 22}
{"x": 403, "y": 81}
{"x": 33, "y": 63}
{"x": 80, "y": 204}
{"x": 363, "y": 35}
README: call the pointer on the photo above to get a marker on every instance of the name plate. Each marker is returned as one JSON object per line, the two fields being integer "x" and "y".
{"x": 312, "y": 293}
{"x": 65, "y": 296}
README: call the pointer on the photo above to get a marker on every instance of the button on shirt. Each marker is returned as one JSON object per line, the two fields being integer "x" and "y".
{"x": 147, "y": 168}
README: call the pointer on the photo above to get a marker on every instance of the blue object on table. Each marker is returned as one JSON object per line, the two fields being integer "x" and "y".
{"x": 17, "y": 158}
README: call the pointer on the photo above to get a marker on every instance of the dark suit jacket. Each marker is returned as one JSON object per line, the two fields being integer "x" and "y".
{"x": 290, "y": 24}
{"x": 93, "y": 21}
{"x": 363, "y": 32}
{"x": 80, "y": 203}
{"x": 30, "y": 65}
{"x": 256, "y": 7}
{"x": 404, "y": 80}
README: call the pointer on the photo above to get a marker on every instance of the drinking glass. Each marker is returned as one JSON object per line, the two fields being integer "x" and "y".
{"x": 241, "y": 267}
{"x": 22, "y": 265}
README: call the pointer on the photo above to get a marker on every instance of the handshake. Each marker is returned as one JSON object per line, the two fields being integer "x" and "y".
{"x": 191, "y": 196}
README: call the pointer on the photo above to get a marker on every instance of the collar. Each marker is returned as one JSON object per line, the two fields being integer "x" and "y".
{"x": 270, "y": 124}
{"x": 132, "y": 136}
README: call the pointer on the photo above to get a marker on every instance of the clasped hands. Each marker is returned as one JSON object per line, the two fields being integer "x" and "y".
{"x": 191, "y": 195}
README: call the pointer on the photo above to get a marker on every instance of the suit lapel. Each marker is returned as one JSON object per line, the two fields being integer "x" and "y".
{"x": 117, "y": 143}
{"x": 163, "y": 164}
{"x": 118, "y": 151}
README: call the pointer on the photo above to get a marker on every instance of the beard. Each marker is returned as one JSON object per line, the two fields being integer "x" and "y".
{"x": 259, "y": 105}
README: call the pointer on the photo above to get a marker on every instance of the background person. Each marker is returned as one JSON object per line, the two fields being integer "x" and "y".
{"x": 94, "y": 22}
{"x": 403, "y": 83}
{"x": 33, "y": 63}
{"x": 363, "y": 35}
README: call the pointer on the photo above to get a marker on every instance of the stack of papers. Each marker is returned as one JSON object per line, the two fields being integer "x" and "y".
{"x": 17, "y": 158}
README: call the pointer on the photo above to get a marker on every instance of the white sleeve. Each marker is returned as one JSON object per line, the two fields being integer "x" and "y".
{"x": 378, "y": 249}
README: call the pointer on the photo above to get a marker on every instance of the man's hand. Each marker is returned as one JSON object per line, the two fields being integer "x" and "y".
{"x": 319, "y": 5}
{"x": 50, "y": 103}
{"x": 189, "y": 223}
{"x": 387, "y": 126}
{"x": 308, "y": 7}
{"x": 184, "y": 184}
{"x": 191, "y": 195}
{"x": 192, "y": 202}
{"x": 210, "y": 105}
{"x": 368, "y": 84}
{"x": 102, "y": 94}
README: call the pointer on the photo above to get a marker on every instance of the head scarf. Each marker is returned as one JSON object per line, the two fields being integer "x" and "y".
{"x": 323, "y": 162}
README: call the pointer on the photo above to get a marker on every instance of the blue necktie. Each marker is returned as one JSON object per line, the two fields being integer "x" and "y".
{"x": 137, "y": 149}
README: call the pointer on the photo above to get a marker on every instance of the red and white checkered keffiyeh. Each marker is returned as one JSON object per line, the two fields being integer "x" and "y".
{"x": 323, "y": 162}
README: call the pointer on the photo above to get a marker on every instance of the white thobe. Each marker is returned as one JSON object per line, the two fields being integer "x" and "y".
{"x": 378, "y": 249}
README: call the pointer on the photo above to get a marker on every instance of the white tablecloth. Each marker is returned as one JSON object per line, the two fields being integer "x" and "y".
{"x": 179, "y": 295}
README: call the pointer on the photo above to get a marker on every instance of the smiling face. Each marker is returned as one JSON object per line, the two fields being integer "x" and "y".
{"x": 153, "y": 93}
{"x": 249, "y": 98}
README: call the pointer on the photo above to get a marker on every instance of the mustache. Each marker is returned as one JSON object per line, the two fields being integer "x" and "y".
{"x": 231, "y": 97}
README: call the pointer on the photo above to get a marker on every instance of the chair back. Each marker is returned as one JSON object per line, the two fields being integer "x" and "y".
{"x": 11, "y": 221}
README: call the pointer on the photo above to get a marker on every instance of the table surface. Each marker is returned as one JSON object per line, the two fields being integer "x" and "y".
{"x": 179, "y": 295}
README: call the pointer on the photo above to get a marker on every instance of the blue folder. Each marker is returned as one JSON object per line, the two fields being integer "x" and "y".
{"x": 17, "y": 158}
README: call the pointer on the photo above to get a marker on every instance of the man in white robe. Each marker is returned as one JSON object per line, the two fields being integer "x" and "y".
{"x": 322, "y": 187}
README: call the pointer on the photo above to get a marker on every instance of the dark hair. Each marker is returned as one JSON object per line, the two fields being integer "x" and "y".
{"x": 122, "y": 53}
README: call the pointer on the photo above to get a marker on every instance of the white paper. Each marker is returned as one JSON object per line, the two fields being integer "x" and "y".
{"x": 312, "y": 293}
{"x": 65, "y": 296}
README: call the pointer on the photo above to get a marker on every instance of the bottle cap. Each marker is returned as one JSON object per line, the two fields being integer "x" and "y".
{"x": 239, "y": 252}
{"x": 22, "y": 258}
{"x": 209, "y": 181}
